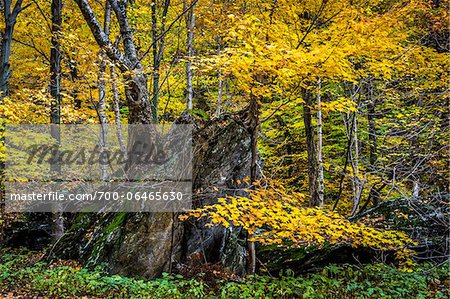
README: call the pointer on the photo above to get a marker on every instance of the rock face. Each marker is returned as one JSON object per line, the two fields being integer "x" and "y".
{"x": 148, "y": 244}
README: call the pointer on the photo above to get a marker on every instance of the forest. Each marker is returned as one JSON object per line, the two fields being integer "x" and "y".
{"x": 293, "y": 149}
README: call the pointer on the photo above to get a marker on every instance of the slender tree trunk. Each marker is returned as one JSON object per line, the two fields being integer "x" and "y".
{"x": 219, "y": 94}
{"x": 55, "y": 62}
{"x": 156, "y": 63}
{"x": 4, "y": 59}
{"x": 371, "y": 114}
{"x": 5, "y": 53}
{"x": 10, "y": 18}
{"x": 416, "y": 189}
{"x": 220, "y": 87}
{"x": 55, "y": 92}
{"x": 101, "y": 108}
{"x": 115, "y": 93}
{"x": 320, "y": 179}
{"x": 228, "y": 96}
{"x": 311, "y": 149}
{"x": 10, "y": 15}
{"x": 358, "y": 184}
{"x": 253, "y": 124}
{"x": 372, "y": 134}
{"x": 190, "y": 24}
{"x": 158, "y": 50}
{"x": 347, "y": 157}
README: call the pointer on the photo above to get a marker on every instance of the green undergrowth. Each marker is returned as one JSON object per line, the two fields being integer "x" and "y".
{"x": 22, "y": 276}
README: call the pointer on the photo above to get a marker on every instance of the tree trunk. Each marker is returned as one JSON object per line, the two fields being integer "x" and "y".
{"x": 190, "y": 24}
{"x": 136, "y": 89}
{"x": 219, "y": 94}
{"x": 371, "y": 114}
{"x": 138, "y": 99}
{"x": 55, "y": 62}
{"x": 10, "y": 21}
{"x": 311, "y": 149}
{"x": 4, "y": 60}
{"x": 115, "y": 93}
{"x": 416, "y": 189}
{"x": 320, "y": 181}
{"x": 55, "y": 92}
{"x": 358, "y": 184}
{"x": 101, "y": 107}
{"x": 220, "y": 87}
{"x": 158, "y": 49}
{"x": 253, "y": 124}
{"x": 5, "y": 53}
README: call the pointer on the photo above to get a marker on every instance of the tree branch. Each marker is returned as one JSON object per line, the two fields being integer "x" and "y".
{"x": 120, "y": 11}
{"x": 101, "y": 38}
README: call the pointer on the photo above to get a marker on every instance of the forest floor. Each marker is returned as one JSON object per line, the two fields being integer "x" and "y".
{"x": 23, "y": 275}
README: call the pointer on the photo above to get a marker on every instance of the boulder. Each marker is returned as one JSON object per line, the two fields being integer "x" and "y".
{"x": 148, "y": 244}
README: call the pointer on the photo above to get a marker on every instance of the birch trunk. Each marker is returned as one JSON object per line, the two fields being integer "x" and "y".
{"x": 253, "y": 124}
{"x": 158, "y": 49}
{"x": 219, "y": 94}
{"x": 354, "y": 161}
{"x": 101, "y": 108}
{"x": 116, "y": 108}
{"x": 416, "y": 189}
{"x": 320, "y": 183}
{"x": 55, "y": 92}
{"x": 190, "y": 24}
{"x": 371, "y": 114}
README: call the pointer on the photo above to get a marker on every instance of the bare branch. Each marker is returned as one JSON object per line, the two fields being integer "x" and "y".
{"x": 102, "y": 39}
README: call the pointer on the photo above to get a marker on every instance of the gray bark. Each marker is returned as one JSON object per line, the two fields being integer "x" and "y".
{"x": 416, "y": 189}
{"x": 357, "y": 182}
{"x": 351, "y": 127}
{"x": 5, "y": 73}
{"x": 311, "y": 149}
{"x": 190, "y": 24}
{"x": 220, "y": 88}
{"x": 136, "y": 89}
{"x": 115, "y": 94}
{"x": 101, "y": 107}
{"x": 373, "y": 156}
{"x": 55, "y": 92}
{"x": 219, "y": 95}
{"x": 354, "y": 162}
{"x": 320, "y": 183}
{"x": 158, "y": 41}
{"x": 100, "y": 36}
{"x": 253, "y": 125}
{"x": 10, "y": 21}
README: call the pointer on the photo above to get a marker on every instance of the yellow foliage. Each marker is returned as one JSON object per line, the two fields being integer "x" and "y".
{"x": 272, "y": 215}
